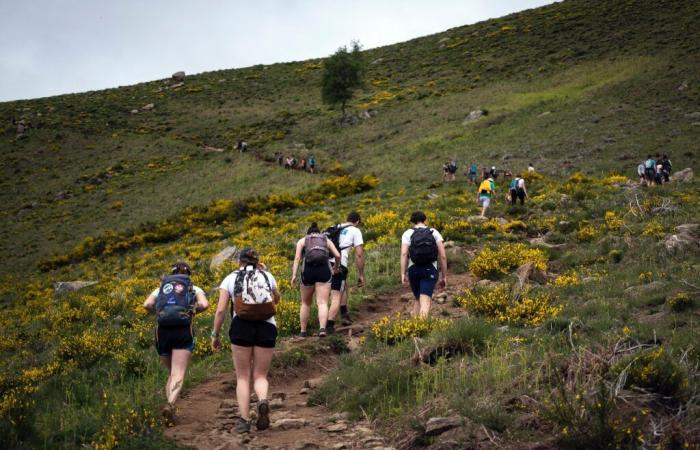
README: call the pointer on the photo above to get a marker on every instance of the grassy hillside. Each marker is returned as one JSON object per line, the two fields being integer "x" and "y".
{"x": 581, "y": 89}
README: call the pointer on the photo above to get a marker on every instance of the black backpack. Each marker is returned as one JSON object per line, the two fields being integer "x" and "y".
{"x": 423, "y": 248}
{"x": 175, "y": 302}
{"x": 333, "y": 233}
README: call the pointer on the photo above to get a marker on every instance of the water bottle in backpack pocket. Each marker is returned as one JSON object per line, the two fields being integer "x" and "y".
{"x": 175, "y": 301}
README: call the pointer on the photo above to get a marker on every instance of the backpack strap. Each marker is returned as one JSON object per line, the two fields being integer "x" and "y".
{"x": 236, "y": 285}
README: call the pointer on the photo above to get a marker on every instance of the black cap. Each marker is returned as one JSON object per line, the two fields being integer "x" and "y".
{"x": 249, "y": 255}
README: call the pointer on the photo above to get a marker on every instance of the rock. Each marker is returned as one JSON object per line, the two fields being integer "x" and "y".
{"x": 443, "y": 40}
{"x": 376, "y": 61}
{"x": 407, "y": 297}
{"x": 290, "y": 423}
{"x": 340, "y": 416}
{"x": 62, "y": 287}
{"x": 441, "y": 298}
{"x": 693, "y": 115}
{"x": 336, "y": 427}
{"x": 476, "y": 219}
{"x": 683, "y": 86}
{"x": 305, "y": 445}
{"x": 313, "y": 383}
{"x": 134, "y": 111}
{"x": 62, "y": 195}
{"x": 304, "y": 391}
{"x": 349, "y": 120}
{"x": 683, "y": 176}
{"x": 449, "y": 244}
{"x": 438, "y": 425}
{"x": 486, "y": 284}
{"x": 639, "y": 290}
{"x": 501, "y": 221}
{"x": 686, "y": 238}
{"x": 541, "y": 241}
{"x": 280, "y": 395}
{"x": 227, "y": 254}
{"x": 546, "y": 113}
{"x": 523, "y": 274}
{"x": 177, "y": 85}
{"x": 228, "y": 403}
{"x": 178, "y": 76}
{"x": 276, "y": 403}
{"x": 368, "y": 114}
{"x": 148, "y": 107}
{"x": 473, "y": 116}
{"x": 542, "y": 277}
{"x": 213, "y": 149}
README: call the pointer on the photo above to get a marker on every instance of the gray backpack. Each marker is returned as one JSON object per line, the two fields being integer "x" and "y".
{"x": 316, "y": 249}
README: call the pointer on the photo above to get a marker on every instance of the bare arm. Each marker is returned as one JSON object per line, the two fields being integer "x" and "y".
{"x": 360, "y": 263}
{"x": 334, "y": 251}
{"x": 219, "y": 318}
{"x": 442, "y": 256}
{"x": 275, "y": 296}
{"x": 202, "y": 302}
{"x": 404, "y": 263}
{"x": 297, "y": 260}
{"x": 150, "y": 303}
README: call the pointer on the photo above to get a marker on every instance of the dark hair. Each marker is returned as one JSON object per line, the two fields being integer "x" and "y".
{"x": 418, "y": 217}
{"x": 354, "y": 217}
{"x": 649, "y": 156}
{"x": 249, "y": 255}
{"x": 665, "y": 156}
{"x": 313, "y": 228}
{"x": 181, "y": 268}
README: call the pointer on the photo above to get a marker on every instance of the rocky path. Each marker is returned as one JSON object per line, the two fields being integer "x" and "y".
{"x": 208, "y": 412}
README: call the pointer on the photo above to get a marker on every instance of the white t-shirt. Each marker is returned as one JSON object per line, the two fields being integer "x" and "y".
{"x": 229, "y": 284}
{"x": 197, "y": 290}
{"x": 350, "y": 237}
{"x": 406, "y": 239}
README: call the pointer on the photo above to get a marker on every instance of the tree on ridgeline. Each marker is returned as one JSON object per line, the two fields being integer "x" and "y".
{"x": 343, "y": 72}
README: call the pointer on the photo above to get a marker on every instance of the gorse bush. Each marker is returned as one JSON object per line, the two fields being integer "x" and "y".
{"x": 391, "y": 330}
{"x": 499, "y": 261}
{"x": 499, "y": 304}
{"x": 680, "y": 301}
{"x": 653, "y": 370}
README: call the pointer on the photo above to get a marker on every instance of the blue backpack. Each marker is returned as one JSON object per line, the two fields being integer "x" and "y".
{"x": 175, "y": 302}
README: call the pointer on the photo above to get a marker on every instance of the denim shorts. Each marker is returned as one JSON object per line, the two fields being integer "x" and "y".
{"x": 422, "y": 279}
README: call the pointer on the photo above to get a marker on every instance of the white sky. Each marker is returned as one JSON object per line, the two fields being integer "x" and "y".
{"x": 50, "y": 47}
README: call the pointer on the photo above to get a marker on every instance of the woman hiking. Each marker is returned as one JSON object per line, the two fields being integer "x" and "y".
{"x": 251, "y": 294}
{"x": 175, "y": 303}
{"x": 313, "y": 251}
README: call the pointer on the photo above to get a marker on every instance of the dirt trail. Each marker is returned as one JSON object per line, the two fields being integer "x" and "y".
{"x": 208, "y": 412}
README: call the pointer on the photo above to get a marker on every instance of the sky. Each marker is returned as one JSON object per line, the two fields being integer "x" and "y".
{"x": 50, "y": 47}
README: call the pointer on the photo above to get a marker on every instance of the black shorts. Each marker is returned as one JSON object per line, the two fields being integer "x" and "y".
{"x": 252, "y": 333}
{"x": 174, "y": 338}
{"x": 338, "y": 279}
{"x": 311, "y": 275}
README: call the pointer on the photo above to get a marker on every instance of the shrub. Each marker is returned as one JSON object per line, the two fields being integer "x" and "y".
{"x": 570, "y": 278}
{"x": 612, "y": 221}
{"x": 653, "y": 229}
{"x": 653, "y": 370}
{"x": 679, "y": 301}
{"x": 500, "y": 304}
{"x": 503, "y": 259}
{"x": 392, "y": 330}
{"x": 587, "y": 233}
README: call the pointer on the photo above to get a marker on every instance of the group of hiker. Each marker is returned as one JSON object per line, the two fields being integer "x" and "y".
{"x": 654, "y": 170}
{"x": 249, "y": 294}
{"x": 291, "y": 163}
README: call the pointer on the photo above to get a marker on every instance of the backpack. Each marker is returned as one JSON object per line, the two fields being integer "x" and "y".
{"x": 312, "y": 162}
{"x": 514, "y": 184}
{"x": 485, "y": 187}
{"x": 252, "y": 295}
{"x": 333, "y": 233}
{"x": 472, "y": 169}
{"x": 649, "y": 164}
{"x": 175, "y": 301}
{"x": 316, "y": 251}
{"x": 666, "y": 164}
{"x": 452, "y": 167}
{"x": 423, "y": 248}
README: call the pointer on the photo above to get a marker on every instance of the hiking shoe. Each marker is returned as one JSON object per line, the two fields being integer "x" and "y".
{"x": 322, "y": 332}
{"x": 330, "y": 329}
{"x": 168, "y": 413}
{"x": 345, "y": 319}
{"x": 243, "y": 426}
{"x": 263, "y": 422}
{"x": 302, "y": 334}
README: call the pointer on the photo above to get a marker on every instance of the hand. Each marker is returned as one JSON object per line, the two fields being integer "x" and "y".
{"x": 360, "y": 281}
{"x": 294, "y": 280}
{"x": 336, "y": 269}
{"x": 216, "y": 344}
{"x": 404, "y": 279}
{"x": 443, "y": 282}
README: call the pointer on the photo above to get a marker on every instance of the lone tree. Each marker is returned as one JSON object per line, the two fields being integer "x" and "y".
{"x": 342, "y": 74}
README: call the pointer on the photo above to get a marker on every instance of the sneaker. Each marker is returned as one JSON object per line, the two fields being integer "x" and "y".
{"x": 168, "y": 413}
{"x": 345, "y": 319}
{"x": 243, "y": 426}
{"x": 263, "y": 422}
{"x": 330, "y": 329}
{"x": 322, "y": 332}
{"x": 302, "y": 334}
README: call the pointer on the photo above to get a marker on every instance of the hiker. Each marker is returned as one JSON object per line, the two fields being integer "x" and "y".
{"x": 288, "y": 163}
{"x": 517, "y": 190}
{"x": 314, "y": 251}
{"x": 530, "y": 168}
{"x": 452, "y": 169}
{"x": 666, "y": 168}
{"x": 243, "y": 147}
{"x": 485, "y": 193}
{"x": 251, "y": 294}
{"x": 493, "y": 173}
{"x": 421, "y": 249}
{"x": 302, "y": 164}
{"x": 650, "y": 169}
{"x": 445, "y": 171}
{"x": 312, "y": 164}
{"x": 641, "y": 172}
{"x": 280, "y": 159}
{"x": 346, "y": 236}
{"x": 175, "y": 303}
{"x": 471, "y": 175}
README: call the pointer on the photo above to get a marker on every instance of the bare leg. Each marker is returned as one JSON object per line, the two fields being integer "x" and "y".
{"x": 261, "y": 365}
{"x": 180, "y": 360}
{"x": 167, "y": 361}
{"x": 323, "y": 290}
{"x": 241, "y": 361}
{"x": 305, "y": 309}
{"x": 336, "y": 299}
{"x": 424, "y": 306}
{"x": 416, "y": 308}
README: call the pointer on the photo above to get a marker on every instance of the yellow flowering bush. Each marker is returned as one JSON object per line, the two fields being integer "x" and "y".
{"x": 679, "y": 301}
{"x": 261, "y": 220}
{"x": 646, "y": 277}
{"x": 395, "y": 329}
{"x": 613, "y": 221}
{"x": 654, "y": 370}
{"x": 653, "y": 229}
{"x": 615, "y": 179}
{"x": 570, "y": 278}
{"x": 587, "y": 233}
{"x": 502, "y": 260}
{"x": 499, "y": 304}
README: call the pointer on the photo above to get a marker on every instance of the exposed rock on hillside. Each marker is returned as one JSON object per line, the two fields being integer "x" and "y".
{"x": 474, "y": 116}
{"x": 683, "y": 176}
{"x": 686, "y": 238}
{"x": 179, "y": 76}
{"x": 229, "y": 253}
{"x": 63, "y": 287}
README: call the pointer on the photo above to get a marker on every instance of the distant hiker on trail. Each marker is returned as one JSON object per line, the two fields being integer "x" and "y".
{"x": 471, "y": 174}
{"x": 251, "y": 294}
{"x": 280, "y": 159}
{"x": 312, "y": 164}
{"x": 346, "y": 236}
{"x": 641, "y": 172}
{"x": 530, "y": 168}
{"x": 666, "y": 168}
{"x": 242, "y": 146}
{"x": 302, "y": 164}
{"x": 517, "y": 190}
{"x": 451, "y": 167}
{"x": 175, "y": 303}
{"x": 445, "y": 171}
{"x": 485, "y": 193}
{"x": 493, "y": 173}
{"x": 314, "y": 252}
{"x": 288, "y": 163}
{"x": 650, "y": 170}
{"x": 421, "y": 249}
